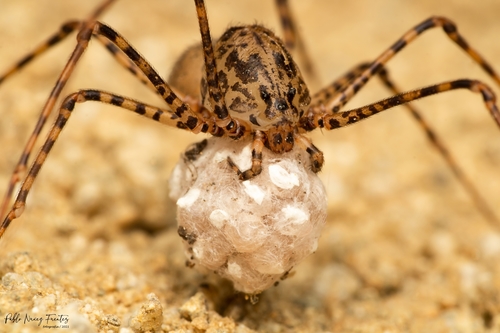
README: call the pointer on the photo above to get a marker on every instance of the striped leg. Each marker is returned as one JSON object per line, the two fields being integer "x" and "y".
{"x": 449, "y": 28}
{"x": 67, "y": 107}
{"x": 315, "y": 154}
{"x": 64, "y": 31}
{"x": 214, "y": 91}
{"x": 293, "y": 40}
{"x": 335, "y": 120}
{"x": 256, "y": 168}
{"x": 340, "y": 119}
{"x": 326, "y": 94}
{"x": 436, "y": 142}
{"x": 187, "y": 118}
{"x": 338, "y": 85}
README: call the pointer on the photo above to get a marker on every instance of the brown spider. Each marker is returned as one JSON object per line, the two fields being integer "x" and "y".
{"x": 251, "y": 87}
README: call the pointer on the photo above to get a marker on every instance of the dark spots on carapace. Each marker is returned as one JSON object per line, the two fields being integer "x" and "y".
{"x": 253, "y": 120}
{"x": 264, "y": 95}
{"x": 240, "y": 106}
{"x": 258, "y": 40}
{"x": 228, "y": 34}
{"x": 242, "y": 89}
{"x": 246, "y": 71}
{"x": 279, "y": 61}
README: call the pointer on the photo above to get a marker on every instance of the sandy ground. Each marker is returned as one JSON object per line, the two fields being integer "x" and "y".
{"x": 404, "y": 248}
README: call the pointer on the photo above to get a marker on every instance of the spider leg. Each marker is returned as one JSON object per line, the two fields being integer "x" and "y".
{"x": 212, "y": 80}
{"x": 293, "y": 40}
{"x": 324, "y": 95}
{"x": 66, "y": 29}
{"x": 162, "y": 116}
{"x": 335, "y": 120}
{"x": 256, "y": 168}
{"x": 449, "y": 28}
{"x": 63, "y": 32}
{"x": 340, "y": 119}
{"x": 338, "y": 85}
{"x": 315, "y": 154}
{"x": 436, "y": 142}
{"x": 187, "y": 117}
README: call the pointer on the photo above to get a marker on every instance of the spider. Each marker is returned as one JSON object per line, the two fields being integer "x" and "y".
{"x": 258, "y": 94}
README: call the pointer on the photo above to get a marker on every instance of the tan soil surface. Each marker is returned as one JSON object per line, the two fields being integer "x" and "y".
{"x": 404, "y": 248}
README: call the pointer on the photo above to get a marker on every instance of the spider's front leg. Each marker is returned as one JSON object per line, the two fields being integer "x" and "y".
{"x": 65, "y": 112}
{"x": 178, "y": 115}
{"x": 256, "y": 168}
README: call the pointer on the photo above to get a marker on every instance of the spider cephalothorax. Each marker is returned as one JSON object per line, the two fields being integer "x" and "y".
{"x": 259, "y": 80}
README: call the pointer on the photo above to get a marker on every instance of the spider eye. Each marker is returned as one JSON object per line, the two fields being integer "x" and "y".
{"x": 264, "y": 94}
{"x": 291, "y": 94}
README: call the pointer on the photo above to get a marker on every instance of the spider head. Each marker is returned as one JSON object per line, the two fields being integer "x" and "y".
{"x": 280, "y": 138}
{"x": 259, "y": 80}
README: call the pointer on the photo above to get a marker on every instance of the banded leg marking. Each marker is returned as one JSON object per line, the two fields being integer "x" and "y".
{"x": 344, "y": 118}
{"x": 256, "y": 168}
{"x": 449, "y": 28}
{"x": 214, "y": 90}
{"x": 65, "y": 111}
{"x": 436, "y": 142}
{"x": 293, "y": 40}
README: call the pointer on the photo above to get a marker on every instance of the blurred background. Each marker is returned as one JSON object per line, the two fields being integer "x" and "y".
{"x": 404, "y": 247}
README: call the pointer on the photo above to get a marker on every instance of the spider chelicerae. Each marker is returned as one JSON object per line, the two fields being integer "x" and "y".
{"x": 258, "y": 93}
